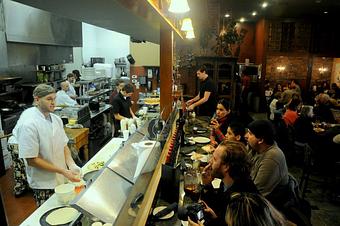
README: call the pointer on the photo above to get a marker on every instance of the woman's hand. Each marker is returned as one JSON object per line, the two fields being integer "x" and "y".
{"x": 208, "y": 210}
{"x": 191, "y": 223}
{"x": 214, "y": 124}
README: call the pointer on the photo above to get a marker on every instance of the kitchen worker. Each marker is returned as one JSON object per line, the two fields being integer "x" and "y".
{"x": 42, "y": 144}
{"x": 121, "y": 105}
{"x": 119, "y": 86}
{"x": 206, "y": 98}
{"x": 71, "y": 79}
{"x": 62, "y": 98}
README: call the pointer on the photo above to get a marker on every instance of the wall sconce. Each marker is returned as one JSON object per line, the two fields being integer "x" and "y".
{"x": 179, "y": 6}
{"x": 281, "y": 68}
{"x": 190, "y": 34}
{"x": 322, "y": 69}
{"x": 187, "y": 25}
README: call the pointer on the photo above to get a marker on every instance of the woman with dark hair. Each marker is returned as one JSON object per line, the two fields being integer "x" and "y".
{"x": 219, "y": 124}
{"x": 253, "y": 209}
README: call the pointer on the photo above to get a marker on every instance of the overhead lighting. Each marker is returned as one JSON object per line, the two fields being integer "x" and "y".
{"x": 227, "y": 15}
{"x": 242, "y": 19}
{"x": 187, "y": 25}
{"x": 325, "y": 12}
{"x": 254, "y": 13}
{"x": 264, "y": 5}
{"x": 179, "y": 6}
{"x": 190, "y": 34}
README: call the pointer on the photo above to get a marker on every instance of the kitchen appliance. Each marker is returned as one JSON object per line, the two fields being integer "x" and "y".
{"x": 95, "y": 60}
{"x": 94, "y": 106}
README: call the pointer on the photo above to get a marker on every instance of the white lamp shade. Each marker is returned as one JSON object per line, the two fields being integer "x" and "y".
{"x": 187, "y": 25}
{"x": 179, "y": 6}
{"x": 190, "y": 34}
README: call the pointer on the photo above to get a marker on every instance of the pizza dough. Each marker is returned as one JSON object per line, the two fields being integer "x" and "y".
{"x": 62, "y": 216}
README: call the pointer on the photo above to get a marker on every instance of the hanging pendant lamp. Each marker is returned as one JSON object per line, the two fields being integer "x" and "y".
{"x": 179, "y": 6}
{"x": 187, "y": 25}
{"x": 190, "y": 34}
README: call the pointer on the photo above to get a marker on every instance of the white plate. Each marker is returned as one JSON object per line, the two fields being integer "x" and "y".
{"x": 62, "y": 216}
{"x": 199, "y": 157}
{"x": 160, "y": 208}
{"x": 201, "y": 140}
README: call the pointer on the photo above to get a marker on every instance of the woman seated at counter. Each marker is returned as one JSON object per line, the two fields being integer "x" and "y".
{"x": 62, "y": 98}
{"x": 220, "y": 122}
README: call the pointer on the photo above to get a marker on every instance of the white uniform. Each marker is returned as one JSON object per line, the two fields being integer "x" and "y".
{"x": 39, "y": 136}
{"x": 63, "y": 99}
{"x": 71, "y": 91}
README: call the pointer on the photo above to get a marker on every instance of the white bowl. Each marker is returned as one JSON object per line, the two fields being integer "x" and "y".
{"x": 65, "y": 193}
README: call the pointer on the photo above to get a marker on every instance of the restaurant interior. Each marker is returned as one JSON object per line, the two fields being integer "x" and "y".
{"x": 264, "y": 57}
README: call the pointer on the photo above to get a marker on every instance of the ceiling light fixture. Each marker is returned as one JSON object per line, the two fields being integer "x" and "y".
{"x": 242, "y": 19}
{"x": 187, "y": 25}
{"x": 179, "y": 6}
{"x": 254, "y": 13}
{"x": 190, "y": 34}
{"x": 325, "y": 12}
{"x": 227, "y": 15}
{"x": 264, "y": 5}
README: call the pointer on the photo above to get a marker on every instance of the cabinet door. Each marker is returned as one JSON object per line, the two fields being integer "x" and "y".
{"x": 225, "y": 71}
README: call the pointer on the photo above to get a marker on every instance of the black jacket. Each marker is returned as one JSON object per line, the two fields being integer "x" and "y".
{"x": 218, "y": 199}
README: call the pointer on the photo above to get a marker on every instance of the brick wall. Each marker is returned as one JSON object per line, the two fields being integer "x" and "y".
{"x": 322, "y": 62}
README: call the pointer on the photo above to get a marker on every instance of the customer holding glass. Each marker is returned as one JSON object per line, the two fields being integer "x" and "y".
{"x": 220, "y": 122}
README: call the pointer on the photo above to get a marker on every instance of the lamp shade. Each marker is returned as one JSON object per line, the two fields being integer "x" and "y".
{"x": 190, "y": 34}
{"x": 179, "y": 6}
{"x": 187, "y": 25}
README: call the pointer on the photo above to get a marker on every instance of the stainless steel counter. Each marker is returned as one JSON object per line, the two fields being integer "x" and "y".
{"x": 126, "y": 174}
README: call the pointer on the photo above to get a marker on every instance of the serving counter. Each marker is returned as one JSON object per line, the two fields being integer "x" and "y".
{"x": 104, "y": 154}
{"x": 131, "y": 168}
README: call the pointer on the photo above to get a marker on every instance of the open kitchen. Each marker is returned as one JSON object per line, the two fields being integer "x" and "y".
{"x": 117, "y": 112}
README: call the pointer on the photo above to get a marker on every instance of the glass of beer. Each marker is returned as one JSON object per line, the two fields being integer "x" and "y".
{"x": 191, "y": 184}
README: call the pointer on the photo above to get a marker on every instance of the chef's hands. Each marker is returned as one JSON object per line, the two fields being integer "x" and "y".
{"x": 74, "y": 173}
{"x": 72, "y": 176}
{"x": 191, "y": 107}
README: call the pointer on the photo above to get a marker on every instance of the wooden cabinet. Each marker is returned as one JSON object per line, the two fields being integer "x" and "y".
{"x": 222, "y": 70}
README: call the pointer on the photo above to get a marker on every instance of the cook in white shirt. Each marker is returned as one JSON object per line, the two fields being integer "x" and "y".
{"x": 62, "y": 97}
{"x": 43, "y": 146}
{"x": 71, "y": 91}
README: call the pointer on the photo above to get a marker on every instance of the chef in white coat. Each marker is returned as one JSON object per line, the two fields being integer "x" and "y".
{"x": 43, "y": 146}
{"x": 71, "y": 79}
{"x": 62, "y": 97}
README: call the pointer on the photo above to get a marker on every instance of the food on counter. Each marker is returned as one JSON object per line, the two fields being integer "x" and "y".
{"x": 62, "y": 216}
{"x": 96, "y": 165}
{"x": 208, "y": 148}
{"x": 152, "y": 101}
{"x": 97, "y": 223}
